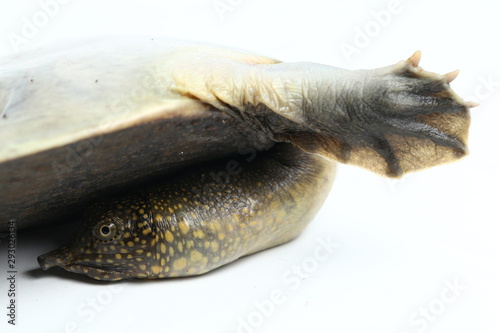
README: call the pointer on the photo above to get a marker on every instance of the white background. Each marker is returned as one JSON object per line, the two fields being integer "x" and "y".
{"x": 400, "y": 243}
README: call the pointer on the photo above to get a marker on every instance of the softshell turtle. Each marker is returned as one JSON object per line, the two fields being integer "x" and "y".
{"x": 197, "y": 155}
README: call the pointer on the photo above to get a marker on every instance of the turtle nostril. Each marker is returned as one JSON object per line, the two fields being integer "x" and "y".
{"x": 53, "y": 258}
{"x": 43, "y": 262}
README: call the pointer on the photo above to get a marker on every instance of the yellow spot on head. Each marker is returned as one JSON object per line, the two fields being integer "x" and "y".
{"x": 196, "y": 255}
{"x": 118, "y": 256}
{"x": 180, "y": 263}
{"x": 204, "y": 261}
{"x": 214, "y": 246}
{"x": 142, "y": 267}
{"x": 221, "y": 235}
{"x": 179, "y": 247}
{"x": 130, "y": 243}
{"x": 163, "y": 248}
{"x": 146, "y": 231}
{"x": 199, "y": 234}
{"x": 156, "y": 269}
{"x": 184, "y": 227}
{"x": 169, "y": 236}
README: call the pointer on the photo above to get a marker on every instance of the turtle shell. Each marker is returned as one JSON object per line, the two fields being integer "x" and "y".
{"x": 83, "y": 120}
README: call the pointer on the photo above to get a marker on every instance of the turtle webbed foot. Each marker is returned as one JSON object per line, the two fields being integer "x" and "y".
{"x": 405, "y": 119}
{"x": 422, "y": 121}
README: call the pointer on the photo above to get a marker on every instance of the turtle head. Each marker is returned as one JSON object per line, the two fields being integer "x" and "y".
{"x": 111, "y": 244}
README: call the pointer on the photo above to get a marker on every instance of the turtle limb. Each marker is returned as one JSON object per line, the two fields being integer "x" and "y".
{"x": 392, "y": 120}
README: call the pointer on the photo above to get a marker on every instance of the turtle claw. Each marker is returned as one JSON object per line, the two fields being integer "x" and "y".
{"x": 451, "y": 76}
{"x": 471, "y": 105}
{"x": 414, "y": 60}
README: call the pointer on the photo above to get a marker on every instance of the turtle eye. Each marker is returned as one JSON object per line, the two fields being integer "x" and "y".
{"x": 106, "y": 231}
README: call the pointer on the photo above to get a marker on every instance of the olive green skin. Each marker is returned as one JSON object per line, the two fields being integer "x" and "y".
{"x": 200, "y": 219}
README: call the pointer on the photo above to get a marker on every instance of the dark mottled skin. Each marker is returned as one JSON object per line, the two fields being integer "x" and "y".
{"x": 200, "y": 219}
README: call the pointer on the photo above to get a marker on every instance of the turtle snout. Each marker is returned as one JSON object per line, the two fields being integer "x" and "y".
{"x": 50, "y": 259}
